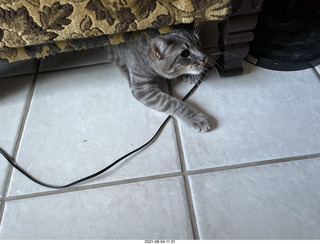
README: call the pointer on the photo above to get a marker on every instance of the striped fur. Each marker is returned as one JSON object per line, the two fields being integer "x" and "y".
{"x": 147, "y": 61}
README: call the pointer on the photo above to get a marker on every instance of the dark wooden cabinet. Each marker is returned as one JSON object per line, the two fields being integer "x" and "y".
{"x": 236, "y": 34}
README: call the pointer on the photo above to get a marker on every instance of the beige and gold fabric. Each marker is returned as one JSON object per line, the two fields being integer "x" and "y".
{"x": 38, "y": 28}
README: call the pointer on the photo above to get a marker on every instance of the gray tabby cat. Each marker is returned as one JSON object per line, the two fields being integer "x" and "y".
{"x": 147, "y": 61}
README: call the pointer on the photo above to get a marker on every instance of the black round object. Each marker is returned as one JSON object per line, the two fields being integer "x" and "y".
{"x": 286, "y": 41}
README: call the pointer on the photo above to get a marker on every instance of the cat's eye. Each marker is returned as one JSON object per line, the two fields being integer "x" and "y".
{"x": 185, "y": 53}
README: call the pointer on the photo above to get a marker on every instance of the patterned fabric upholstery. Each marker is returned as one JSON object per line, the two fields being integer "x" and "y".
{"x": 38, "y": 28}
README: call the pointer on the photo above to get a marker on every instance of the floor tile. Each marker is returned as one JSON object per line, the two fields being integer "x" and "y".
{"x": 18, "y": 68}
{"x": 13, "y": 97}
{"x": 278, "y": 201}
{"x": 146, "y": 210}
{"x": 73, "y": 59}
{"x": 80, "y": 121}
{"x": 259, "y": 115}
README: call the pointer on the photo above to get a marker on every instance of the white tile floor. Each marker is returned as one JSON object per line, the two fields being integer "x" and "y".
{"x": 256, "y": 175}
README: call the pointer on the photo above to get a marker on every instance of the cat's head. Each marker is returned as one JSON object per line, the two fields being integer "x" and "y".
{"x": 177, "y": 53}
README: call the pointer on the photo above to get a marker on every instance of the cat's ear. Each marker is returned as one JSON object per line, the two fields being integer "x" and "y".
{"x": 158, "y": 47}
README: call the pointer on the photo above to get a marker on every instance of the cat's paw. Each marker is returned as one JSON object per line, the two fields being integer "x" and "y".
{"x": 199, "y": 122}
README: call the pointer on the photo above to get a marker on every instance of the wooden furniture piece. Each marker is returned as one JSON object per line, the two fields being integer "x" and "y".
{"x": 235, "y": 35}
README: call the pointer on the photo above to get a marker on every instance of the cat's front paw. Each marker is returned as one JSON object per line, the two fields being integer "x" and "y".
{"x": 199, "y": 122}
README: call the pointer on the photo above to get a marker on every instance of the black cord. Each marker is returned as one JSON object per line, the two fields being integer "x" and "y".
{"x": 16, "y": 166}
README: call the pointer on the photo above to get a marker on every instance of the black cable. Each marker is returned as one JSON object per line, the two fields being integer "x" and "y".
{"x": 16, "y": 166}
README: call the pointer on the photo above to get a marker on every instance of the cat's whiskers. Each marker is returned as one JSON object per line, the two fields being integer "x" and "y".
{"x": 213, "y": 62}
{"x": 214, "y": 53}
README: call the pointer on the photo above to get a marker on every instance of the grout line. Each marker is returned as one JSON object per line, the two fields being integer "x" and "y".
{"x": 26, "y": 112}
{"x": 195, "y": 229}
{"x": 253, "y": 164}
{"x": 38, "y": 71}
{"x": 192, "y": 213}
{"x": 19, "y": 75}
{"x": 18, "y": 140}
{"x": 94, "y": 186}
{"x": 4, "y": 192}
{"x": 75, "y": 67}
{"x": 161, "y": 176}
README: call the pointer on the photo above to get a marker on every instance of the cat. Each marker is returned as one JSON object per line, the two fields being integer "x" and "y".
{"x": 148, "y": 60}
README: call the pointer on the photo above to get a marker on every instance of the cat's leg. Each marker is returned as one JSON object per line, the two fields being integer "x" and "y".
{"x": 150, "y": 94}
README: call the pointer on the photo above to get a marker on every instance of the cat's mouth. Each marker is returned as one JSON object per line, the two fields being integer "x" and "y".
{"x": 197, "y": 68}
{"x": 204, "y": 63}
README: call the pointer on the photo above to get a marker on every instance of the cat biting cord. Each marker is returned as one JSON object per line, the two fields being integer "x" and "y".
{"x": 150, "y": 59}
